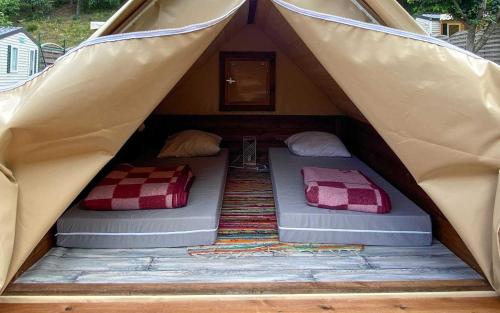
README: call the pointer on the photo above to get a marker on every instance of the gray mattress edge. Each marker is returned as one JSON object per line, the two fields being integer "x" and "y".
{"x": 299, "y": 222}
{"x": 195, "y": 224}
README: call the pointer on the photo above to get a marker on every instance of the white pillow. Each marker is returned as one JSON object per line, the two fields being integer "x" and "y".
{"x": 191, "y": 143}
{"x": 317, "y": 144}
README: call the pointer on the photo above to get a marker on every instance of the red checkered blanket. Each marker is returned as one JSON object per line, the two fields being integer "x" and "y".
{"x": 344, "y": 190}
{"x": 140, "y": 188}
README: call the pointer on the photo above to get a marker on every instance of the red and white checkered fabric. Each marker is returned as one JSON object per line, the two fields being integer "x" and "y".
{"x": 344, "y": 190}
{"x": 140, "y": 188}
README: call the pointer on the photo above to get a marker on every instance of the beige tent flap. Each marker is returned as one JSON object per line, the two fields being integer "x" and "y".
{"x": 60, "y": 128}
{"x": 437, "y": 107}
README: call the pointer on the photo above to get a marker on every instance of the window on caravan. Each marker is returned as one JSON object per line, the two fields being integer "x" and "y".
{"x": 33, "y": 62}
{"x": 12, "y": 57}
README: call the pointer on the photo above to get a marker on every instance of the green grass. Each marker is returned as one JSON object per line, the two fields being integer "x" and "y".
{"x": 63, "y": 26}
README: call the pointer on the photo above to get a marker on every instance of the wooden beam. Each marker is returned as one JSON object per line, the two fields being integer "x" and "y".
{"x": 380, "y": 304}
{"x": 23, "y": 289}
{"x": 252, "y": 10}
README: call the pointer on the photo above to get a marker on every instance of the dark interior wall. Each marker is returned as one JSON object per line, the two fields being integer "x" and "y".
{"x": 270, "y": 130}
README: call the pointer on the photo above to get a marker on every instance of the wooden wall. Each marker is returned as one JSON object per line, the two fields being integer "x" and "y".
{"x": 270, "y": 130}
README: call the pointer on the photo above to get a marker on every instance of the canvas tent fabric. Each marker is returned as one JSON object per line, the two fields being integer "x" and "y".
{"x": 60, "y": 128}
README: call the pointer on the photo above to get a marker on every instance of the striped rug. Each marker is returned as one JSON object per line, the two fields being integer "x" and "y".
{"x": 248, "y": 223}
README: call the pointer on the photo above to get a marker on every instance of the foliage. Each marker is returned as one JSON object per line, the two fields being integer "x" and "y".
{"x": 4, "y": 20}
{"x": 31, "y": 27}
{"x": 8, "y": 9}
{"x": 66, "y": 30}
{"x": 473, "y": 12}
{"x": 37, "y": 8}
{"x": 56, "y": 20}
{"x": 103, "y": 4}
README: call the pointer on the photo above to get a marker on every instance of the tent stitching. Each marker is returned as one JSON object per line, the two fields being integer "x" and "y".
{"x": 373, "y": 27}
{"x": 362, "y": 9}
{"x": 133, "y": 35}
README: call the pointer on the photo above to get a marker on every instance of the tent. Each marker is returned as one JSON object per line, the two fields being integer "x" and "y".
{"x": 437, "y": 106}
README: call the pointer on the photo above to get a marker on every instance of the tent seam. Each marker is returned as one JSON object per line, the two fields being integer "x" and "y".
{"x": 373, "y": 27}
{"x": 131, "y": 36}
{"x": 493, "y": 159}
{"x": 42, "y": 144}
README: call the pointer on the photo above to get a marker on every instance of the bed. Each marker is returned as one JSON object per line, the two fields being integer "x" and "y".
{"x": 195, "y": 224}
{"x": 405, "y": 225}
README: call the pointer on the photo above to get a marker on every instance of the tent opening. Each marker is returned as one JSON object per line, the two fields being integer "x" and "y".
{"x": 242, "y": 213}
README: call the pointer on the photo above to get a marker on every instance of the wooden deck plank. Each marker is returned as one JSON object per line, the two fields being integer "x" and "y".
{"x": 201, "y": 276}
{"x": 234, "y": 276}
{"x": 287, "y": 305}
{"x": 413, "y": 262}
{"x": 395, "y": 275}
{"x": 246, "y": 288}
{"x": 118, "y": 253}
{"x": 260, "y": 263}
{"x": 55, "y": 264}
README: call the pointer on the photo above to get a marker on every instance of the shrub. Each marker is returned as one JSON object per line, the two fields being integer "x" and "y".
{"x": 103, "y": 4}
{"x": 31, "y": 27}
{"x": 37, "y": 8}
{"x": 9, "y": 9}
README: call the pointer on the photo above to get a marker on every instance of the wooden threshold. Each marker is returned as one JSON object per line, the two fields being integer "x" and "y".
{"x": 246, "y": 288}
{"x": 442, "y": 303}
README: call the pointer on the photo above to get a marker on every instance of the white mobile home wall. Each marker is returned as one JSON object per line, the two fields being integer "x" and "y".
{"x": 432, "y": 28}
{"x": 24, "y": 44}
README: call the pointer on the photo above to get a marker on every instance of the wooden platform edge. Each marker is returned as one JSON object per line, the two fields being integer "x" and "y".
{"x": 247, "y": 288}
{"x": 415, "y": 302}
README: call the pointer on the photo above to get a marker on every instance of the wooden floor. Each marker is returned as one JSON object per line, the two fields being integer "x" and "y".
{"x": 346, "y": 270}
{"x": 174, "y": 265}
{"x": 167, "y": 271}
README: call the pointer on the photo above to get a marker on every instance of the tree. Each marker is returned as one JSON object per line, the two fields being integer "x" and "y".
{"x": 85, "y": 5}
{"x": 480, "y": 17}
{"x": 8, "y": 10}
{"x": 78, "y": 7}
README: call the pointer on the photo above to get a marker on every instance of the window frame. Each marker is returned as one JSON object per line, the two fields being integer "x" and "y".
{"x": 33, "y": 64}
{"x": 445, "y": 27}
{"x": 225, "y": 57}
{"x": 11, "y": 63}
{"x": 454, "y": 24}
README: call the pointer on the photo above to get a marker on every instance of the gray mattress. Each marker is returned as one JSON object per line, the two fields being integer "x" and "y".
{"x": 195, "y": 224}
{"x": 405, "y": 225}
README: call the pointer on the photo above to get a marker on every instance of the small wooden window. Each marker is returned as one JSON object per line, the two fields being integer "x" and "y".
{"x": 247, "y": 81}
